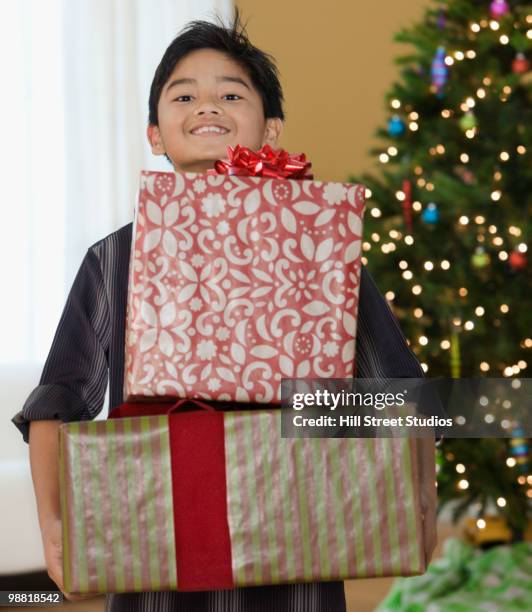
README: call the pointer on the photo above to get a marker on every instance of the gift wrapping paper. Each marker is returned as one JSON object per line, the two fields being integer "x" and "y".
{"x": 304, "y": 509}
{"x": 237, "y": 281}
{"x": 203, "y": 501}
{"x": 117, "y": 507}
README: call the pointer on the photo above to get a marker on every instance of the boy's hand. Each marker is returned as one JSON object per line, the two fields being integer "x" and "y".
{"x": 44, "y": 462}
{"x": 53, "y": 555}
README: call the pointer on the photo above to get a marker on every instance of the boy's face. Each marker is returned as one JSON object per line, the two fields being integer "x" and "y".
{"x": 207, "y": 88}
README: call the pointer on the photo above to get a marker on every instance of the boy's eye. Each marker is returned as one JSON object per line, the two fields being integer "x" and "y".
{"x": 182, "y": 98}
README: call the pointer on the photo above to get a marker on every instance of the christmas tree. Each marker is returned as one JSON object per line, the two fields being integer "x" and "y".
{"x": 447, "y": 218}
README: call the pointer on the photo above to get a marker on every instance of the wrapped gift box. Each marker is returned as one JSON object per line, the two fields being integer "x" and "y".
{"x": 236, "y": 281}
{"x": 203, "y": 500}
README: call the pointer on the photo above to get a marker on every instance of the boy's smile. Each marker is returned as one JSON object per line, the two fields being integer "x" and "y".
{"x": 208, "y": 129}
{"x": 208, "y": 103}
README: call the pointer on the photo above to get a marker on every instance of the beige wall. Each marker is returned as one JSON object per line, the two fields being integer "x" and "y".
{"x": 336, "y": 63}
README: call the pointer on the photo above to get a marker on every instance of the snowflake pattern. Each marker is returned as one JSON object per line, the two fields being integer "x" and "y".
{"x": 197, "y": 260}
{"x": 331, "y": 349}
{"x": 199, "y": 186}
{"x": 222, "y": 333}
{"x": 206, "y": 349}
{"x": 334, "y": 193}
{"x": 222, "y": 228}
{"x": 214, "y": 384}
{"x": 196, "y": 304}
{"x": 213, "y": 205}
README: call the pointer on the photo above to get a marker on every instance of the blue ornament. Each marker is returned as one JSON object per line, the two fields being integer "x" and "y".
{"x": 396, "y": 126}
{"x": 441, "y": 21}
{"x": 430, "y": 214}
{"x": 520, "y": 449}
{"x": 438, "y": 70}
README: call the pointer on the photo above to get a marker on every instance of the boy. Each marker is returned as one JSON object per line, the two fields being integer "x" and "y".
{"x": 211, "y": 89}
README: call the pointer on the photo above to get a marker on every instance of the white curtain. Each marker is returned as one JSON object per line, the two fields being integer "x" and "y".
{"x": 74, "y": 105}
{"x": 76, "y": 77}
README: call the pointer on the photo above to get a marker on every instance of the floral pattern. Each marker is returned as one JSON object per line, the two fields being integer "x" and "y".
{"x": 213, "y": 205}
{"x": 199, "y": 186}
{"x": 334, "y": 193}
{"x": 236, "y": 282}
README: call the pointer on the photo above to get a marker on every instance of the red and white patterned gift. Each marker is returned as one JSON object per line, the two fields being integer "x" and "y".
{"x": 235, "y": 282}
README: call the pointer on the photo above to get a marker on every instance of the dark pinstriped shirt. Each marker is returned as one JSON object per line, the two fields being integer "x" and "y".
{"x": 88, "y": 347}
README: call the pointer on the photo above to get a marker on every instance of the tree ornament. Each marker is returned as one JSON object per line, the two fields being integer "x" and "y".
{"x": 520, "y": 65}
{"x": 525, "y": 80}
{"x": 520, "y": 449}
{"x": 517, "y": 260}
{"x": 454, "y": 354}
{"x": 407, "y": 205}
{"x": 480, "y": 259}
{"x": 441, "y": 21}
{"x": 468, "y": 121}
{"x": 466, "y": 175}
{"x": 430, "y": 214}
{"x": 499, "y": 8}
{"x": 396, "y": 126}
{"x": 438, "y": 70}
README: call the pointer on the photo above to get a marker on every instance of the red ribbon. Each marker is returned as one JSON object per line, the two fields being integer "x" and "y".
{"x": 266, "y": 162}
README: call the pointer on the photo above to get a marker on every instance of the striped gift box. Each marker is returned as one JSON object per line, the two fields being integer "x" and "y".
{"x": 116, "y": 505}
{"x": 209, "y": 500}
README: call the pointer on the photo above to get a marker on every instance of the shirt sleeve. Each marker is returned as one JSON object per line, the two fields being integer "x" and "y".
{"x": 381, "y": 347}
{"x": 74, "y": 379}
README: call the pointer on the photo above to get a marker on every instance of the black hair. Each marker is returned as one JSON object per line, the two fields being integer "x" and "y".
{"x": 234, "y": 42}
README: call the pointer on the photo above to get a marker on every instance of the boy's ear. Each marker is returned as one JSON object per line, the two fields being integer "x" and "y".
{"x": 154, "y": 138}
{"x": 272, "y": 132}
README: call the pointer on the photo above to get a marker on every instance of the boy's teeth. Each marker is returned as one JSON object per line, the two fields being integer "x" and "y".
{"x": 210, "y": 128}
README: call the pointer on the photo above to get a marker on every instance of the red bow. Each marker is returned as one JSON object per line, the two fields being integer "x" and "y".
{"x": 266, "y": 162}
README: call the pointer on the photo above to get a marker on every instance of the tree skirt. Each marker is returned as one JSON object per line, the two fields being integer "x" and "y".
{"x": 467, "y": 579}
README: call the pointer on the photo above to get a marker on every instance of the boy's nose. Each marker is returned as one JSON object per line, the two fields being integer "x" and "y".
{"x": 207, "y": 111}
{"x": 207, "y": 106}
